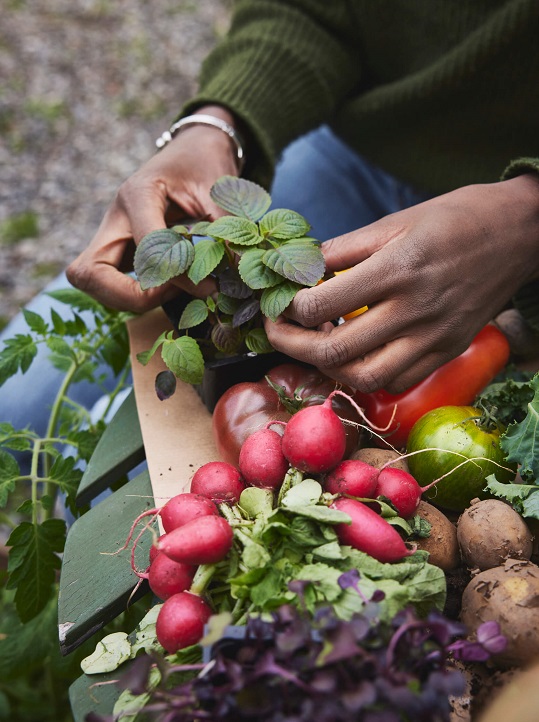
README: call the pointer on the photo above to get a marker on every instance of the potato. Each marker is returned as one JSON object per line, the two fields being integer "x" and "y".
{"x": 523, "y": 341}
{"x": 379, "y": 457}
{"x": 442, "y": 543}
{"x": 509, "y": 595}
{"x": 518, "y": 700}
{"x": 489, "y": 532}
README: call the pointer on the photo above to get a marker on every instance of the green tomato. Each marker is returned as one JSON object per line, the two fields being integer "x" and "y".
{"x": 457, "y": 436}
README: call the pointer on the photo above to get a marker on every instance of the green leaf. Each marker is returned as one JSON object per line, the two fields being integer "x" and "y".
{"x": 58, "y": 323}
{"x": 208, "y": 253}
{"x": 66, "y": 476}
{"x": 184, "y": 358}
{"x": 321, "y": 513}
{"x": 33, "y": 561}
{"x": 35, "y": 322}
{"x": 18, "y": 353}
{"x": 16, "y": 440}
{"x": 160, "y": 256}
{"x": 284, "y": 224}
{"x": 115, "y": 350}
{"x": 239, "y": 231}
{"x": 306, "y": 492}
{"x": 110, "y": 652}
{"x": 227, "y": 304}
{"x": 76, "y": 299}
{"x": 85, "y": 441}
{"x": 199, "y": 229}
{"x": 299, "y": 260}
{"x": 193, "y": 314}
{"x": 75, "y": 326}
{"x": 145, "y": 356}
{"x": 254, "y": 272}
{"x": 60, "y": 347}
{"x": 524, "y": 498}
{"x": 520, "y": 442}
{"x": 9, "y": 473}
{"x": 275, "y": 300}
{"x": 240, "y": 197}
{"x": 509, "y": 398}
{"x": 257, "y": 341}
{"x": 24, "y": 647}
{"x": 255, "y": 501}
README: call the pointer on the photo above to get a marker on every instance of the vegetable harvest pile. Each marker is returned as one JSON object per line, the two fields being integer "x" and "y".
{"x": 346, "y": 551}
{"x": 299, "y": 526}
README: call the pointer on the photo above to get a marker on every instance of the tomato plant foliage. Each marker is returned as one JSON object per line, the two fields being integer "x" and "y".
{"x": 77, "y": 348}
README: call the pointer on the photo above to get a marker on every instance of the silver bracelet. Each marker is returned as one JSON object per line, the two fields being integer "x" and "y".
{"x": 204, "y": 120}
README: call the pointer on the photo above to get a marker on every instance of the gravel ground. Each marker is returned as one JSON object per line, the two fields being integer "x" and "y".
{"x": 86, "y": 88}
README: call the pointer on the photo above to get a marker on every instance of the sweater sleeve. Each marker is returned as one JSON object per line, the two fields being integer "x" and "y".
{"x": 282, "y": 69}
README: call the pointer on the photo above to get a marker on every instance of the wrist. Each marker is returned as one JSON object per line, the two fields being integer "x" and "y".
{"x": 212, "y": 117}
{"x": 218, "y": 111}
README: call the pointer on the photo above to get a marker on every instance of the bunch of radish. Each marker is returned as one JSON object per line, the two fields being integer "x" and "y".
{"x": 197, "y": 533}
{"x": 314, "y": 441}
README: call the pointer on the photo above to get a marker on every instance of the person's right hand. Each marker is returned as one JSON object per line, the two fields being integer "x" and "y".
{"x": 172, "y": 186}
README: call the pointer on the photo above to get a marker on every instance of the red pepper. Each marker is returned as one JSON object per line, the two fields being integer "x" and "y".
{"x": 456, "y": 383}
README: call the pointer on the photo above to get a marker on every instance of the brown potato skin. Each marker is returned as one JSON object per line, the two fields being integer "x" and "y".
{"x": 379, "y": 457}
{"x": 442, "y": 543}
{"x": 509, "y": 595}
{"x": 518, "y": 700}
{"x": 489, "y": 532}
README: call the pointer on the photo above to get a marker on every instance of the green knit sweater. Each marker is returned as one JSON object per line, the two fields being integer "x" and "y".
{"x": 440, "y": 93}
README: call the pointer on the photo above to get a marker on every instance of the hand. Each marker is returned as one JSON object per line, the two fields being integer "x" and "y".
{"x": 432, "y": 275}
{"x": 173, "y": 186}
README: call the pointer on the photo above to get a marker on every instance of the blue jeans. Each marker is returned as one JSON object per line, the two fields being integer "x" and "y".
{"x": 334, "y": 188}
{"x": 319, "y": 176}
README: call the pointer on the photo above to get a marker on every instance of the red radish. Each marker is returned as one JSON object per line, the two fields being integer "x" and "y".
{"x": 185, "y": 507}
{"x": 219, "y": 481}
{"x": 352, "y": 477}
{"x": 401, "y": 489}
{"x": 205, "y": 540}
{"x": 314, "y": 439}
{"x": 369, "y": 532}
{"x": 154, "y": 551}
{"x": 167, "y": 577}
{"x": 262, "y": 462}
{"x": 180, "y": 621}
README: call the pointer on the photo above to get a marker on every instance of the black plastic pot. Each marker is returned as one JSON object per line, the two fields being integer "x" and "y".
{"x": 222, "y": 373}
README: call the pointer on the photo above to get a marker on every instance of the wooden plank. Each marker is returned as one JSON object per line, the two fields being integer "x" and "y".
{"x": 177, "y": 432}
{"x": 93, "y": 693}
{"x": 119, "y": 451}
{"x": 95, "y": 586}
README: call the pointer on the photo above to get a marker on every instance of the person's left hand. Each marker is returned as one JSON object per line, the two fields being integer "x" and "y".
{"x": 432, "y": 276}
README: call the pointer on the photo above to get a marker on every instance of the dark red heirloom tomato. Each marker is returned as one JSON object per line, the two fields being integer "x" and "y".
{"x": 248, "y": 406}
{"x": 456, "y": 383}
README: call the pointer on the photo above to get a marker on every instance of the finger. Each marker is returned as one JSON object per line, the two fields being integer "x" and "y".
{"x": 351, "y": 248}
{"x": 394, "y": 367}
{"x": 123, "y": 292}
{"x": 144, "y": 205}
{"x": 357, "y": 337}
{"x": 375, "y": 279}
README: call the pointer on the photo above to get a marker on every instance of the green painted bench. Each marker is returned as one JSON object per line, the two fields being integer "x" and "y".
{"x": 175, "y": 438}
{"x": 95, "y": 587}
